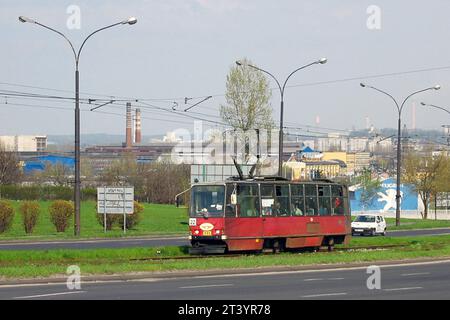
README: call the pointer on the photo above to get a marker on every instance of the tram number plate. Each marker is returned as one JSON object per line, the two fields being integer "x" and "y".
{"x": 207, "y": 233}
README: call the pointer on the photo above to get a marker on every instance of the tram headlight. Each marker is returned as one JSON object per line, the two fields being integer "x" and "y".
{"x": 196, "y": 232}
{"x": 217, "y": 231}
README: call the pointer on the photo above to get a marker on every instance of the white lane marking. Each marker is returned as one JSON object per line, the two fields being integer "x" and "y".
{"x": 269, "y": 273}
{"x": 414, "y": 274}
{"x": 208, "y": 286}
{"x": 325, "y": 295}
{"x": 403, "y": 289}
{"x": 318, "y": 279}
{"x": 49, "y": 295}
{"x": 336, "y": 279}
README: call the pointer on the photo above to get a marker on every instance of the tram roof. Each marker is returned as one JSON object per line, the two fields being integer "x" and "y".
{"x": 266, "y": 179}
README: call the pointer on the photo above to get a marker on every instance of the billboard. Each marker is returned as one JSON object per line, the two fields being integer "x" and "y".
{"x": 384, "y": 201}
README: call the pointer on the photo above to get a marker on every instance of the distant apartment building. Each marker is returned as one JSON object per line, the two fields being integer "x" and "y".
{"x": 355, "y": 161}
{"x": 24, "y": 143}
{"x": 353, "y": 144}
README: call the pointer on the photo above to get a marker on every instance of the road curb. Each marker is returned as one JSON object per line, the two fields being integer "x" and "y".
{"x": 222, "y": 272}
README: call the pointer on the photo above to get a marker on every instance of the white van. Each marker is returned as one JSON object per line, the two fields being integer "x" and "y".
{"x": 370, "y": 224}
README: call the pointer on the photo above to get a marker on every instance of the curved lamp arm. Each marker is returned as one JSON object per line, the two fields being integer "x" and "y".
{"x": 96, "y": 31}
{"x": 130, "y": 21}
{"x": 239, "y": 63}
{"x": 437, "y": 87}
{"x": 437, "y": 107}
{"x": 383, "y": 92}
{"x": 25, "y": 19}
{"x": 321, "y": 61}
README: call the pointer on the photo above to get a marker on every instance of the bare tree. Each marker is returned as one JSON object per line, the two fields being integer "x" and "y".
{"x": 10, "y": 171}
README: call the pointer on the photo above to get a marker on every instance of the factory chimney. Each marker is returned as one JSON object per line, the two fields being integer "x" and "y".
{"x": 129, "y": 136}
{"x": 137, "y": 128}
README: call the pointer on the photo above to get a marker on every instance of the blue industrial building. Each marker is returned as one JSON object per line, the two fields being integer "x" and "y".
{"x": 38, "y": 163}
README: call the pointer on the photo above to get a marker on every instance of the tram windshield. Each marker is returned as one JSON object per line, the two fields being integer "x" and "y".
{"x": 207, "y": 201}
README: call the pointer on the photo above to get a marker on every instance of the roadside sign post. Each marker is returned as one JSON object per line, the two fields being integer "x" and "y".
{"x": 115, "y": 200}
{"x": 104, "y": 210}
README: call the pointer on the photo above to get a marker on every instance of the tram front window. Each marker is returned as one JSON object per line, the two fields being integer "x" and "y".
{"x": 207, "y": 201}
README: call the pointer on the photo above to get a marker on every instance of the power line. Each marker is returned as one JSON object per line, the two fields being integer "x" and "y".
{"x": 362, "y": 77}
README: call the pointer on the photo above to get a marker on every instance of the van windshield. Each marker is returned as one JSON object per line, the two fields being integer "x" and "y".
{"x": 365, "y": 219}
{"x": 207, "y": 201}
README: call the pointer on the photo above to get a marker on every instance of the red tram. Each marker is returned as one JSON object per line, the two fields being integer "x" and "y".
{"x": 267, "y": 213}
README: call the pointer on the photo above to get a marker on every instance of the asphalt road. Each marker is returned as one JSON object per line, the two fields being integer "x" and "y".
{"x": 157, "y": 242}
{"x": 411, "y": 281}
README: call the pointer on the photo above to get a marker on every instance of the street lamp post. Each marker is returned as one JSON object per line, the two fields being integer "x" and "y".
{"x": 282, "y": 89}
{"x": 399, "y": 133}
{"x": 130, "y": 21}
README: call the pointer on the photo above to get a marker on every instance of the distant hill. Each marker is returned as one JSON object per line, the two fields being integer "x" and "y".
{"x": 94, "y": 139}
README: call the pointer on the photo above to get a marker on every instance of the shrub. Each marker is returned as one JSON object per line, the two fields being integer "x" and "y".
{"x": 30, "y": 213}
{"x": 111, "y": 219}
{"x": 134, "y": 218}
{"x": 6, "y": 216}
{"x": 60, "y": 213}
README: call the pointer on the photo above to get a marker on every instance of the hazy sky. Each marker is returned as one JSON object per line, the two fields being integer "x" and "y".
{"x": 184, "y": 48}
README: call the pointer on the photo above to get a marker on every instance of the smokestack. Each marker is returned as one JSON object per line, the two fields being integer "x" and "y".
{"x": 129, "y": 136}
{"x": 137, "y": 129}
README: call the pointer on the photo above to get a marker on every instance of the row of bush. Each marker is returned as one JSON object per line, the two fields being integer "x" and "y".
{"x": 38, "y": 192}
{"x": 61, "y": 212}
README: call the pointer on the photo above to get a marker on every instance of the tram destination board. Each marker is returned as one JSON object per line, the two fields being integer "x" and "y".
{"x": 115, "y": 200}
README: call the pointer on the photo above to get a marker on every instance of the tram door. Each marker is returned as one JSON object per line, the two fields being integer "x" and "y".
{"x": 275, "y": 204}
{"x": 243, "y": 218}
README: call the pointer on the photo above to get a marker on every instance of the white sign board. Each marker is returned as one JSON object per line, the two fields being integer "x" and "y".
{"x": 115, "y": 200}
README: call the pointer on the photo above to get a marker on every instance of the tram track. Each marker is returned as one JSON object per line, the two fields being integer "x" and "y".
{"x": 240, "y": 255}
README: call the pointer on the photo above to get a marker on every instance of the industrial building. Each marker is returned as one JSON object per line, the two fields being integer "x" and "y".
{"x": 22, "y": 143}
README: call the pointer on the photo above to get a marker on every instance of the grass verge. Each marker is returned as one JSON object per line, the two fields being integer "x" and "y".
{"x": 29, "y": 264}
{"x": 156, "y": 219}
{"x": 410, "y": 224}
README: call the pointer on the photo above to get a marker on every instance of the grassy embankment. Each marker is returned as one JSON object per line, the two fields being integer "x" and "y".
{"x": 27, "y": 264}
{"x": 156, "y": 219}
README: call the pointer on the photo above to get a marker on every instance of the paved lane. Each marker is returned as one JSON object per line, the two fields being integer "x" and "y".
{"x": 417, "y": 281}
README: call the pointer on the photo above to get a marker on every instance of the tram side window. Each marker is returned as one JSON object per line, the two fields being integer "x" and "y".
{"x": 267, "y": 199}
{"x": 297, "y": 200}
{"x": 282, "y": 200}
{"x": 337, "y": 200}
{"x": 324, "y": 200}
{"x": 248, "y": 200}
{"x": 311, "y": 207}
